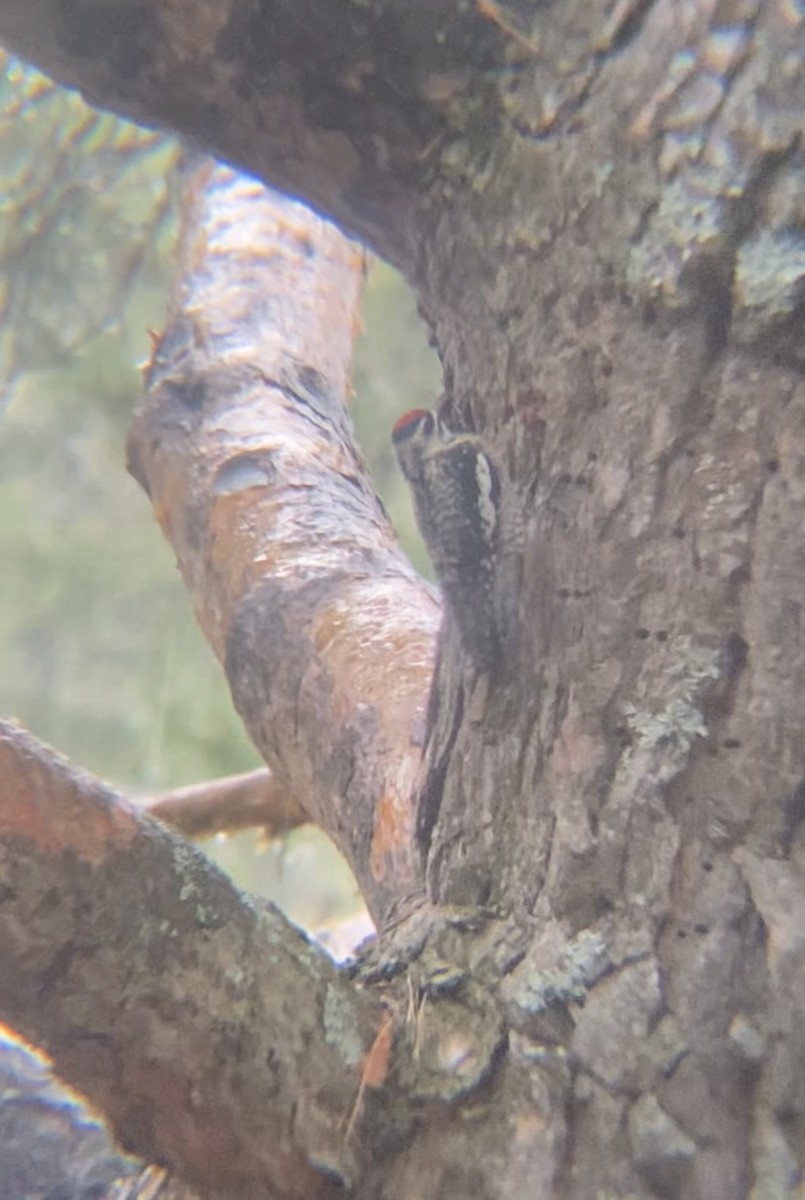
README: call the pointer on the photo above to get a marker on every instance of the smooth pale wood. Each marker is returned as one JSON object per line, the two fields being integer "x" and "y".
{"x": 246, "y": 450}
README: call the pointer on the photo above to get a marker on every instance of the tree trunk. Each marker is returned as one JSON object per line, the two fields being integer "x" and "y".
{"x": 600, "y": 209}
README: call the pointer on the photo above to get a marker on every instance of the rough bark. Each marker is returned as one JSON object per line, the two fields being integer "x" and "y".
{"x": 601, "y": 210}
{"x": 214, "y": 1038}
{"x": 348, "y": 105}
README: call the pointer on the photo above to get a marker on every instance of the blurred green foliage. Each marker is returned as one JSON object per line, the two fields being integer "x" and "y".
{"x": 85, "y": 219}
{"x": 98, "y": 655}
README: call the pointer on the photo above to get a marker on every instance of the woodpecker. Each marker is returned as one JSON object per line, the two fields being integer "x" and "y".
{"x": 456, "y": 491}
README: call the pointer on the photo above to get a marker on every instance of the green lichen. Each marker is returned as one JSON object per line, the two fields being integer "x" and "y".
{"x": 769, "y": 275}
{"x": 580, "y": 964}
{"x": 341, "y": 1026}
{"x": 680, "y": 721}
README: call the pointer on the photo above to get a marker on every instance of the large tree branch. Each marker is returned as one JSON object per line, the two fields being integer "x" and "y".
{"x": 345, "y": 104}
{"x": 245, "y": 449}
{"x": 216, "y": 1040}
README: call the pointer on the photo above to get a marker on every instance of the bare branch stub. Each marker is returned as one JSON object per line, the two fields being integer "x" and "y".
{"x": 247, "y": 452}
{"x": 158, "y": 1003}
{"x": 252, "y": 800}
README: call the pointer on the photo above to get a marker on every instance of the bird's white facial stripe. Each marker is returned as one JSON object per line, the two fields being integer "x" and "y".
{"x": 486, "y": 500}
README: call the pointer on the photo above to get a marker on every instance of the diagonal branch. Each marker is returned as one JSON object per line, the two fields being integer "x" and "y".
{"x": 216, "y": 1040}
{"x": 298, "y": 582}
